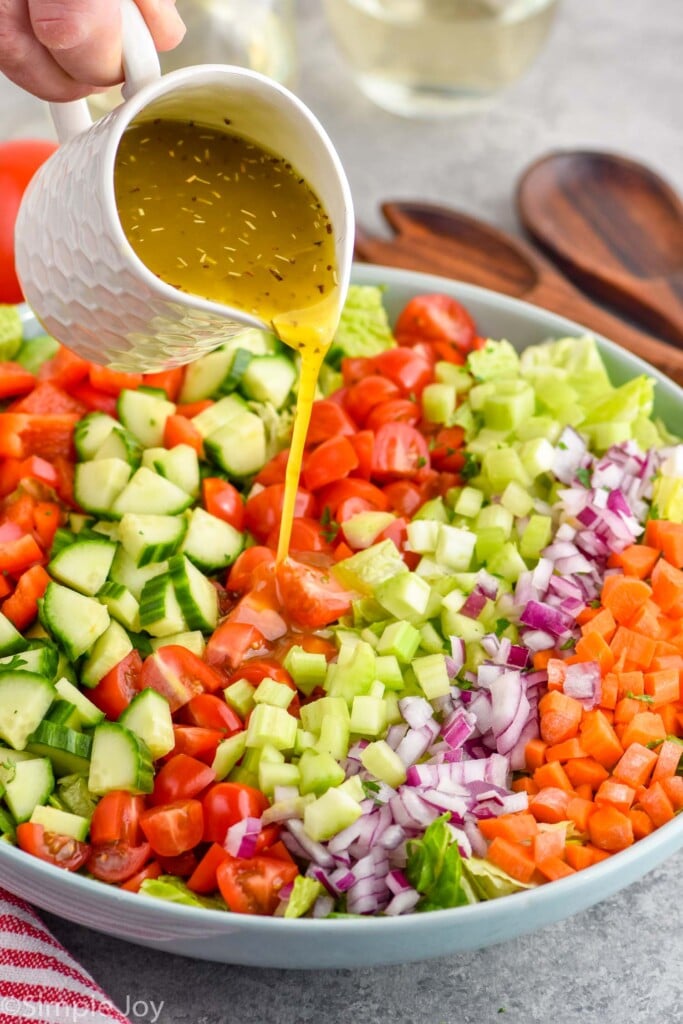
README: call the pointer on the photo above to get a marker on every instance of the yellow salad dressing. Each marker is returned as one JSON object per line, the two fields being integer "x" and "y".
{"x": 216, "y": 215}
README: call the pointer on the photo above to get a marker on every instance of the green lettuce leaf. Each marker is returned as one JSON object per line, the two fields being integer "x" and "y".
{"x": 434, "y": 868}
{"x": 363, "y": 326}
{"x": 73, "y": 793}
{"x": 304, "y": 894}
{"x": 174, "y": 890}
{"x": 497, "y": 359}
{"x": 488, "y": 881}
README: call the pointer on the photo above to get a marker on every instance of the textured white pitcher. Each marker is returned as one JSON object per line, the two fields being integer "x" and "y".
{"x": 78, "y": 271}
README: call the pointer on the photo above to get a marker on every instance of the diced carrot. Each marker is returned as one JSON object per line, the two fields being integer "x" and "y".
{"x": 603, "y": 623}
{"x": 557, "y": 671}
{"x": 552, "y": 775}
{"x": 578, "y": 856}
{"x": 610, "y": 691}
{"x": 625, "y": 597}
{"x": 598, "y": 854}
{"x": 524, "y": 784}
{"x": 617, "y": 794}
{"x": 585, "y": 791}
{"x": 628, "y": 707}
{"x": 653, "y": 532}
{"x": 635, "y": 766}
{"x": 513, "y": 858}
{"x": 540, "y": 660}
{"x": 647, "y": 620}
{"x": 534, "y": 753}
{"x": 671, "y": 543}
{"x": 671, "y": 718}
{"x": 673, "y": 787}
{"x": 594, "y": 647}
{"x": 642, "y": 824}
{"x": 631, "y": 683}
{"x": 565, "y": 751}
{"x": 550, "y": 805}
{"x": 668, "y": 758}
{"x": 667, "y": 587}
{"x": 636, "y": 560}
{"x": 579, "y": 811}
{"x": 643, "y": 728}
{"x": 610, "y": 829}
{"x": 657, "y": 804}
{"x": 518, "y": 828}
{"x": 599, "y": 739}
{"x": 663, "y": 686}
{"x": 559, "y": 716}
{"x": 548, "y": 843}
{"x": 21, "y": 607}
{"x": 586, "y": 614}
{"x": 554, "y": 868}
{"x": 586, "y": 771}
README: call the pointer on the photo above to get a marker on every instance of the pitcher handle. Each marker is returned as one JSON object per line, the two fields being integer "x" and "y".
{"x": 140, "y": 67}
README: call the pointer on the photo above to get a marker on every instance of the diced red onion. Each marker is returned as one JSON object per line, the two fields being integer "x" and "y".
{"x": 323, "y": 907}
{"x": 397, "y": 882}
{"x": 583, "y": 681}
{"x": 313, "y": 850}
{"x": 402, "y": 903}
{"x": 479, "y": 844}
{"x": 458, "y": 653}
{"x": 392, "y": 837}
{"x": 395, "y": 734}
{"x": 416, "y": 710}
{"x": 458, "y": 727}
{"x": 475, "y": 604}
{"x": 241, "y": 838}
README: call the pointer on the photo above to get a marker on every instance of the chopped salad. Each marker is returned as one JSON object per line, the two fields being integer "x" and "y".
{"x": 466, "y": 680}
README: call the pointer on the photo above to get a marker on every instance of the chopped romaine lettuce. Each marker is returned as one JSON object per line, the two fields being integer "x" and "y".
{"x": 488, "y": 881}
{"x": 363, "y": 326}
{"x": 304, "y": 894}
{"x": 174, "y": 890}
{"x": 434, "y": 867}
{"x": 495, "y": 360}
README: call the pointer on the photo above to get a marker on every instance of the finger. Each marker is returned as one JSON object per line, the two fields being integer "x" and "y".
{"x": 163, "y": 21}
{"x": 27, "y": 63}
{"x": 84, "y": 36}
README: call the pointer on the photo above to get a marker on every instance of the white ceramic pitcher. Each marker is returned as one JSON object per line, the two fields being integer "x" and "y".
{"x": 78, "y": 271}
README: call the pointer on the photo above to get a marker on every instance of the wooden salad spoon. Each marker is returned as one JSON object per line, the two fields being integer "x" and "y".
{"x": 443, "y": 241}
{"x": 615, "y": 227}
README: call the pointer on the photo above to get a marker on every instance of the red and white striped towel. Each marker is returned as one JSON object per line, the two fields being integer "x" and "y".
{"x": 40, "y": 983}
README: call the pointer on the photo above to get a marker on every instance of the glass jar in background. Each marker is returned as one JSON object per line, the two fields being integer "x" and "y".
{"x": 257, "y": 34}
{"x": 438, "y": 57}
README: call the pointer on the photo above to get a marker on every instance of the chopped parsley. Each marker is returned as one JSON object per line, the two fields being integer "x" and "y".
{"x": 583, "y": 476}
{"x": 471, "y": 467}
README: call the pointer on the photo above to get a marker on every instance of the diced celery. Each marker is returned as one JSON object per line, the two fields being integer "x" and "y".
{"x": 400, "y": 639}
{"x": 513, "y": 402}
{"x": 536, "y": 536}
{"x": 269, "y": 724}
{"x": 502, "y": 465}
{"x": 307, "y": 669}
{"x": 430, "y": 569}
{"x": 432, "y": 675}
{"x": 228, "y": 753}
{"x": 405, "y": 596}
{"x": 457, "y": 376}
{"x": 438, "y": 402}
{"x": 269, "y": 691}
{"x": 478, "y": 395}
{"x": 366, "y": 569}
{"x": 539, "y": 427}
{"x": 453, "y": 600}
{"x": 604, "y": 435}
{"x": 272, "y": 774}
{"x": 362, "y": 530}
{"x": 486, "y": 439}
{"x": 537, "y": 456}
{"x": 376, "y": 690}
{"x": 507, "y": 563}
{"x": 384, "y": 763}
{"x": 489, "y": 542}
{"x": 454, "y": 624}
{"x": 392, "y": 711}
{"x": 329, "y": 814}
{"x": 495, "y": 360}
{"x": 353, "y": 787}
{"x": 334, "y": 737}
{"x": 455, "y": 547}
{"x": 371, "y": 634}
{"x": 516, "y": 499}
{"x": 430, "y": 638}
{"x": 368, "y": 716}
{"x": 318, "y": 772}
{"x": 469, "y": 502}
{"x": 240, "y": 696}
{"x": 242, "y": 775}
{"x": 389, "y": 671}
{"x": 312, "y": 714}
{"x": 423, "y": 535}
{"x": 495, "y": 517}
{"x": 304, "y": 741}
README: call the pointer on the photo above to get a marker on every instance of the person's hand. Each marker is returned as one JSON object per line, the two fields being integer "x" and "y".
{"x": 66, "y": 49}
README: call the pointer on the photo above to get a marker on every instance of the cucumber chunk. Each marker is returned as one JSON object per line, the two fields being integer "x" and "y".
{"x": 97, "y": 484}
{"x": 74, "y": 620}
{"x": 196, "y": 594}
{"x": 119, "y": 760}
{"x": 88, "y": 714}
{"x": 62, "y": 822}
{"x": 160, "y": 612}
{"x": 11, "y": 639}
{"x": 107, "y": 651}
{"x": 147, "y": 493}
{"x": 151, "y": 538}
{"x": 67, "y": 749}
{"x": 32, "y": 784}
{"x": 84, "y": 566}
{"x": 239, "y": 446}
{"x": 210, "y": 543}
{"x": 40, "y": 658}
{"x": 91, "y": 432}
{"x": 126, "y": 573}
{"x": 149, "y": 716}
{"x": 121, "y": 604}
{"x": 179, "y": 464}
{"x": 269, "y": 379}
{"x": 144, "y": 415}
{"x": 25, "y": 699}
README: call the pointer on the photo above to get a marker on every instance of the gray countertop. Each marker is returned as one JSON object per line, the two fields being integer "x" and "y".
{"x": 611, "y": 76}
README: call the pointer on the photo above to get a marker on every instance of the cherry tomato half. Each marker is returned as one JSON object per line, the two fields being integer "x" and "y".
{"x": 117, "y": 862}
{"x": 62, "y": 851}
{"x": 252, "y": 886}
{"x": 225, "y": 804}
{"x": 173, "y": 828}
{"x": 19, "y": 161}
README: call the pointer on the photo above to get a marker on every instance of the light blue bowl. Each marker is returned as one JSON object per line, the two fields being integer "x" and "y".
{"x": 275, "y": 942}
